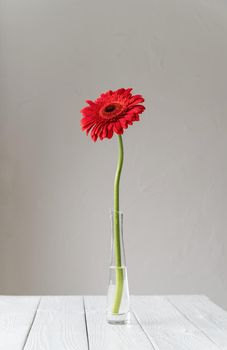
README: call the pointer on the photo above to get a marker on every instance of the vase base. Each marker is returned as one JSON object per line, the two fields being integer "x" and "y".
{"x": 118, "y": 319}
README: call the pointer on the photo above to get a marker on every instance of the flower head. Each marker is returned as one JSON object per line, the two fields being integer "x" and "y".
{"x": 111, "y": 113}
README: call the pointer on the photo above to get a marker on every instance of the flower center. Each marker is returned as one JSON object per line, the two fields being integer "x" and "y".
{"x": 111, "y": 110}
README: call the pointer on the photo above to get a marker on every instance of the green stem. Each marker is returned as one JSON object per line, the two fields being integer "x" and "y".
{"x": 117, "y": 238}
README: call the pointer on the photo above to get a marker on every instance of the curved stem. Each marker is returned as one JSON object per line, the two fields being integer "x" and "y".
{"x": 117, "y": 238}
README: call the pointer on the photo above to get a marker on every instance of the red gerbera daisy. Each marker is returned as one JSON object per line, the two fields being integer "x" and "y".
{"x": 110, "y": 113}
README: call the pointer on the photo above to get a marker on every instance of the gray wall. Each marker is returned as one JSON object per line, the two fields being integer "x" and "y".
{"x": 56, "y": 184}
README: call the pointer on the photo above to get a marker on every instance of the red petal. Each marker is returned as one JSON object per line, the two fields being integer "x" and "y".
{"x": 136, "y": 99}
{"x": 110, "y": 131}
{"x": 124, "y": 123}
{"x": 117, "y": 127}
{"x": 137, "y": 109}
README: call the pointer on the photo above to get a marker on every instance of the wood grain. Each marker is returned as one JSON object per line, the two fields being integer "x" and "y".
{"x": 59, "y": 325}
{"x": 16, "y": 317}
{"x": 167, "y": 328}
{"x": 206, "y": 315}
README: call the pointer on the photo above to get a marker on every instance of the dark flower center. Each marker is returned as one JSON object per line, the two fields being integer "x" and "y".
{"x": 110, "y": 108}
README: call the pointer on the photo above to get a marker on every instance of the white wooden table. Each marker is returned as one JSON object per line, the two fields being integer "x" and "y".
{"x": 79, "y": 323}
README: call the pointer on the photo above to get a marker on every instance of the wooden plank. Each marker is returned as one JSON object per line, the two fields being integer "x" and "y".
{"x": 167, "y": 328}
{"x": 103, "y": 336}
{"x": 59, "y": 325}
{"x": 16, "y": 316}
{"x": 206, "y": 315}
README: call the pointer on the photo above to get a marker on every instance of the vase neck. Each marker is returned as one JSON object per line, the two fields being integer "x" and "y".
{"x": 117, "y": 239}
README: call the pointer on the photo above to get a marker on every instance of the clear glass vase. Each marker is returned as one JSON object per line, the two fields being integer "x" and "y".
{"x": 118, "y": 303}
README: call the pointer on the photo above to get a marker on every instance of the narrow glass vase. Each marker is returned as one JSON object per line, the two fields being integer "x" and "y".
{"x": 118, "y": 303}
